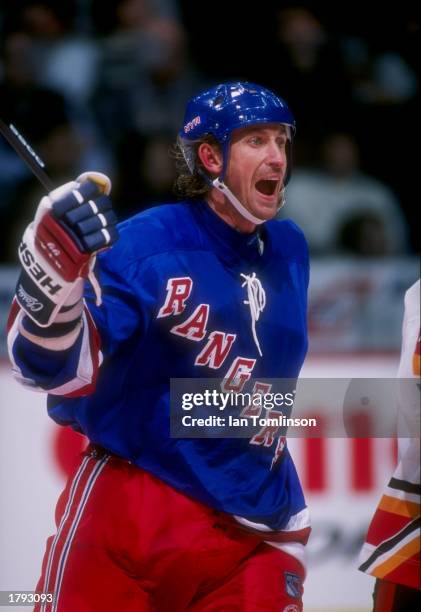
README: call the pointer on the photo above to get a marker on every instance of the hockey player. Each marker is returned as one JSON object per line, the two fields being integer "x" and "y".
{"x": 391, "y": 551}
{"x": 209, "y": 286}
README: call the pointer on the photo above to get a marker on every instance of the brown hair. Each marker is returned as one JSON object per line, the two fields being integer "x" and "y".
{"x": 188, "y": 185}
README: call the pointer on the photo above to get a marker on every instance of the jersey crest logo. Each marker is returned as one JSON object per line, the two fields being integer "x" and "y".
{"x": 293, "y": 585}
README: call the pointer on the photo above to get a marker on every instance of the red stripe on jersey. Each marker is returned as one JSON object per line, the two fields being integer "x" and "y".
{"x": 13, "y": 313}
{"x": 385, "y": 525}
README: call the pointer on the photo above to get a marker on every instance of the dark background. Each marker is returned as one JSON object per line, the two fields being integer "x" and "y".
{"x": 119, "y": 110}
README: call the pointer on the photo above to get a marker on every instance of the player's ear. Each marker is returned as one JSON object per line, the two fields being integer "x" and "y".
{"x": 211, "y": 157}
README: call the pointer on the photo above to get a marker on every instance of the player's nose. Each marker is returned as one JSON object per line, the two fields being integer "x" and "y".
{"x": 275, "y": 155}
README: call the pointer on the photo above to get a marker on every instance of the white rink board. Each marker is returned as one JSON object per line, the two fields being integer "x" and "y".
{"x": 30, "y": 483}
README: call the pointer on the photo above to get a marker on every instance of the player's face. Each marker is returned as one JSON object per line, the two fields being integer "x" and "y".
{"x": 257, "y": 166}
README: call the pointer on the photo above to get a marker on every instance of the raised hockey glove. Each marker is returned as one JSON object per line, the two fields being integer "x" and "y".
{"x": 58, "y": 250}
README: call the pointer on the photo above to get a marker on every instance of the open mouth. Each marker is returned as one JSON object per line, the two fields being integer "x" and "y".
{"x": 267, "y": 187}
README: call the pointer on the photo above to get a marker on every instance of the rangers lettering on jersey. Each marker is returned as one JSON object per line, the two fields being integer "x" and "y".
{"x": 238, "y": 374}
{"x": 178, "y": 292}
{"x": 216, "y": 350}
{"x": 195, "y": 326}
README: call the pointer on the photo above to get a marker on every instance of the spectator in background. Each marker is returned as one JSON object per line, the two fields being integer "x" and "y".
{"x": 45, "y": 119}
{"x": 38, "y": 112}
{"x": 15, "y": 78}
{"x": 67, "y": 56}
{"x": 69, "y": 60}
{"x": 144, "y": 76}
{"x": 61, "y": 149}
{"x": 308, "y": 57}
{"x": 146, "y": 173}
{"x": 34, "y": 109}
{"x": 341, "y": 209}
{"x": 378, "y": 67}
{"x": 384, "y": 75}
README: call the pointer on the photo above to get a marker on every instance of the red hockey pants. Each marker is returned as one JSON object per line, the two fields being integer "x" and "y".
{"x": 127, "y": 542}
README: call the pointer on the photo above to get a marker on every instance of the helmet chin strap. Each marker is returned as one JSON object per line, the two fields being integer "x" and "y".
{"x": 222, "y": 187}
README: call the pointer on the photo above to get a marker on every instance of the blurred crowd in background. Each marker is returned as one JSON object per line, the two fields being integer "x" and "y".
{"x": 102, "y": 85}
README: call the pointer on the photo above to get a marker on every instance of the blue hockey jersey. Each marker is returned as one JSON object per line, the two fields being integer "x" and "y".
{"x": 175, "y": 305}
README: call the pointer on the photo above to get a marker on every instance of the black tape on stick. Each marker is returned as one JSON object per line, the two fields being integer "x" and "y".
{"x": 26, "y": 153}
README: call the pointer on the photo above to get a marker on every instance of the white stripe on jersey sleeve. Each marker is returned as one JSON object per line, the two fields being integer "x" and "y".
{"x": 85, "y": 371}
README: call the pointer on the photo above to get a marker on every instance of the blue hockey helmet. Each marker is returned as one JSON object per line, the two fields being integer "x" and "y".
{"x": 226, "y": 107}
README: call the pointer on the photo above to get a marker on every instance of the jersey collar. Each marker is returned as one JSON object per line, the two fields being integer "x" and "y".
{"x": 224, "y": 239}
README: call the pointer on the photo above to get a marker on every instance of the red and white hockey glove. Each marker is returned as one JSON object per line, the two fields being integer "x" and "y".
{"x": 59, "y": 247}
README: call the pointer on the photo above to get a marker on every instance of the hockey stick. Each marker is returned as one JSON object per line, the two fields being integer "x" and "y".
{"x": 27, "y": 154}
